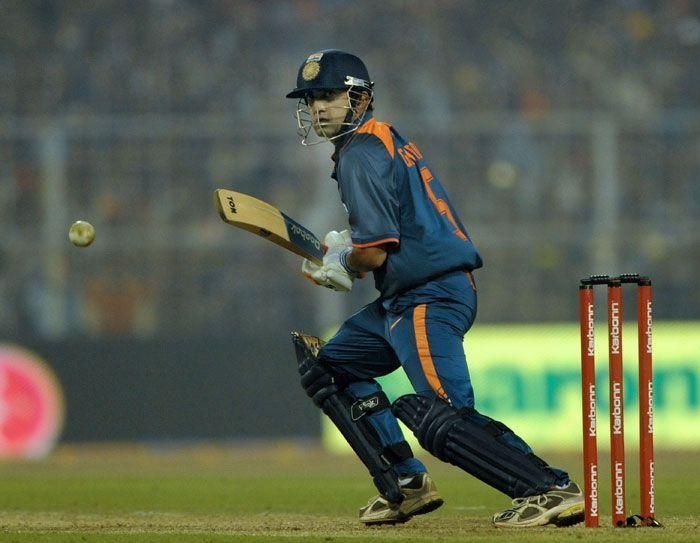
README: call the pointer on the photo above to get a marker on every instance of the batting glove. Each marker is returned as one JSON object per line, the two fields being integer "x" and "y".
{"x": 334, "y": 273}
{"x": 336, "y": 239}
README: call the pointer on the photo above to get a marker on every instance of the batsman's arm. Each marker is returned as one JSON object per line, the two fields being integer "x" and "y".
{"x": 365, "y": 259}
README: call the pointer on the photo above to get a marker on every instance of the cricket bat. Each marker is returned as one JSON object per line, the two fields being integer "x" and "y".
{"x": 267, "y": 221}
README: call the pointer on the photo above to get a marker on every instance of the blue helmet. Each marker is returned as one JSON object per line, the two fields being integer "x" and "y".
{"x": 331, "y": 69}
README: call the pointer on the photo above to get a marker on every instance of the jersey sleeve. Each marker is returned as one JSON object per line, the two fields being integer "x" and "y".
{"x": 369, "y": 193}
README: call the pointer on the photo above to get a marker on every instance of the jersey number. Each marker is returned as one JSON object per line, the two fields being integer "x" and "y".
{"x": 440, "y": 204}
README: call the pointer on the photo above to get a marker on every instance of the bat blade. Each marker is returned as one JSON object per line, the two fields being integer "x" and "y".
{"x": 267, "y": 221}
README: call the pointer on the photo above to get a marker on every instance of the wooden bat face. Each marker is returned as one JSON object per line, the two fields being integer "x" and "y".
{"x": 268, "y": 222}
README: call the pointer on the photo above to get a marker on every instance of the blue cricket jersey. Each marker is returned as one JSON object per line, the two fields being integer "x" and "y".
{"x": 395, "y": 201}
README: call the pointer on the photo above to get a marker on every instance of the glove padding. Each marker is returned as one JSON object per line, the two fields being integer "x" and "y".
{"x": 333, "y": 273}
{"x": 335, "y": 239}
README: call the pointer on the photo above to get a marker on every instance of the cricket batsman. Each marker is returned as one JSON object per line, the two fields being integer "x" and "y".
{"x": 405, "y": 231}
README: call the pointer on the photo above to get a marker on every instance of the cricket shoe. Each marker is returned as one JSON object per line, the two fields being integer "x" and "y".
{"x": 420, "y": 497}
{"x": 559, "y": 506}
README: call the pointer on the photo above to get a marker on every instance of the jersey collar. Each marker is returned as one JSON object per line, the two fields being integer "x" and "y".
{"x": 340, "y": 143}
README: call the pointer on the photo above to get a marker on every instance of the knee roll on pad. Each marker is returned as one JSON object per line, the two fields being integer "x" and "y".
{"x": 318, "y": 382}
{"x": 349, "y": 416}
{"x": 316, "y": 378}
{"x": 481, "y": 446}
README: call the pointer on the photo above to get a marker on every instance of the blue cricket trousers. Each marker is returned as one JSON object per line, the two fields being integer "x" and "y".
{"x": 426, "y": 339}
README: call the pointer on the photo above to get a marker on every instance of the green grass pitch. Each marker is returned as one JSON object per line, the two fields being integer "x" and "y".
{"x": 284, "y": 492}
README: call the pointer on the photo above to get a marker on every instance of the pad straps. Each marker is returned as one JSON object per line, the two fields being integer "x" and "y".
{"x": 395, "y": 453}
{"x": 369, "y": 404}
{"x": 348, "y": 415}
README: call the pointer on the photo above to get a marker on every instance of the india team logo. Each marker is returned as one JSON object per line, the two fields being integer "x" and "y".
{"x": 311, "y": 70}
{"x": 31, "y": 405}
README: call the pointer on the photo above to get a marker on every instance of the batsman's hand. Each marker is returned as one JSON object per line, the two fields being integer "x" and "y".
{"x": 334, "y": 273}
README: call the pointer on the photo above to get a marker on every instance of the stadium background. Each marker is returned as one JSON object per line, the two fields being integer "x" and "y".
{"x": 567, "y": 134}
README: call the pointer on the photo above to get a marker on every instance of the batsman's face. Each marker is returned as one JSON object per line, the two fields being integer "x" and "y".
{"x": 329, "y": 109}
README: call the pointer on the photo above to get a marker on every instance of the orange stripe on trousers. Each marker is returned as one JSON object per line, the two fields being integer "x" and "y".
{"x": 426, "y": 360}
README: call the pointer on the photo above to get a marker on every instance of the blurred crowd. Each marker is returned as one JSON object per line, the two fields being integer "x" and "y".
{"x": 168, "y": 99}
{"x": 437, "y": 57}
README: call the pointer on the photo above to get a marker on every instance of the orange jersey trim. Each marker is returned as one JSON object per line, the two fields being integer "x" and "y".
{"x": 440, "y": 204}
{"x": 395, "y": 323}
{"x": 385, "y": 241}
{"x": 382, "y": 131}
{"x": 470, "y": 275}
{"x": 426, "y": 359}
